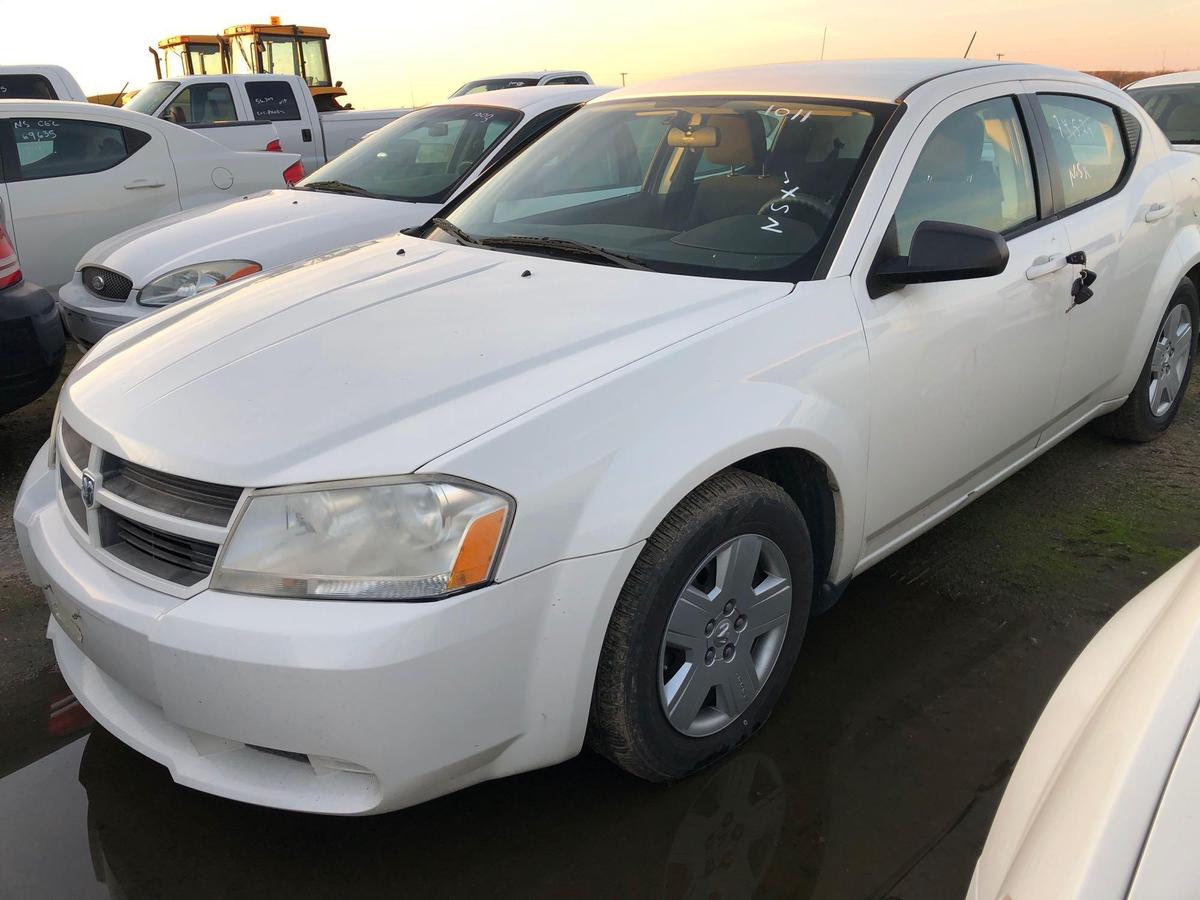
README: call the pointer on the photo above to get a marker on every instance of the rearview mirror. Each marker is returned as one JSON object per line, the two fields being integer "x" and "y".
{"x": 698, "y": 136}
{"x": 943, "y": 251}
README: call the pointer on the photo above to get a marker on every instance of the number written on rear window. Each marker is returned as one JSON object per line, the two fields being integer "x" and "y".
{"x": 273, "y": 101}
{"x": 53, "y": 148}
{"x": 1087, "y": 145}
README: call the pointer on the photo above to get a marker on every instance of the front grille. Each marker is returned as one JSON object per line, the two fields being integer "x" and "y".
{"x": 138, "y": 512}
{"x": 181, "y": 560}
{"x": 106, "y": 284}
{"x": 77, "y": 446}
{"x": 184, "y": 498}
{"x": 73, "y": 498}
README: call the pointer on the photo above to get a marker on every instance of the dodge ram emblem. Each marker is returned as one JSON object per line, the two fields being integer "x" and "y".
{"x": 87, "y": 490}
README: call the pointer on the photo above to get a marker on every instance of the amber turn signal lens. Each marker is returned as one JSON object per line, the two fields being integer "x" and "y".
{"x": 479, "y": 547}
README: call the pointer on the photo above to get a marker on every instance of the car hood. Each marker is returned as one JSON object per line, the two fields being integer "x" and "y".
{"x": 272, "y": 228}
{"x": 374, "y": 360}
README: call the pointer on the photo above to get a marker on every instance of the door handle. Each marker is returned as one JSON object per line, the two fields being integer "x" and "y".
{"x": 140, "y": 183}
{"x": 1045, "y": 265}
{"x": 1159, "y": 211}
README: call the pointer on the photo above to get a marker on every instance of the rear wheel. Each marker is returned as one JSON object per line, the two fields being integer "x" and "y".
{"x": 706, "y": 630}
{"x": 1156, "y": 399}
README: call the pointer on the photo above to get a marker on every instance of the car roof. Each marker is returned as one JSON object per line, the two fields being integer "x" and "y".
{"x": 1192, "y": 77}
{"x": 63, "y": 108}
{"x": 541, "y": 73}
{"x": 527, "y": 97}
{"x": 887, "y": 80}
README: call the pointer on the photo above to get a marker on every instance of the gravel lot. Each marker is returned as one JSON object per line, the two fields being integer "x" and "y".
{"x": 877, "y": 776}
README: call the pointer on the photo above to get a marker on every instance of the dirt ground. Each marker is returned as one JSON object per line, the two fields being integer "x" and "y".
{"x": 877, "y": 776}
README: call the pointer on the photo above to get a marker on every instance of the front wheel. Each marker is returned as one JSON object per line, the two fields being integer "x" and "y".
{"x": 706, "y": 630}
{"x": 1156, "y": 399}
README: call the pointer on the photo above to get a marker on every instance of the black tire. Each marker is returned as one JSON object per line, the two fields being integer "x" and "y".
{"x": 628, "y": 723}
{"x": 1135, "y": 420}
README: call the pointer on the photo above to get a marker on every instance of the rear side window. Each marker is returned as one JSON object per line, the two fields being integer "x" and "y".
{"x": 568, "y": 79}
{"x": 272, "y": 101}
{"x": 26, "y": 87}
{"x": 1175, "y": 108}
{"x": 974, "y": 170}
{"x": 52, "y": 148}
{"x": 202, "y": 104}
{"x": 1087, "y": 146}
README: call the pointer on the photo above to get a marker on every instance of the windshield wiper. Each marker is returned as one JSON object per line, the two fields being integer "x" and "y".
{"x": 337, "y": 187}
{"x": 567, "y": 246}
{"x": 455, "y": 232}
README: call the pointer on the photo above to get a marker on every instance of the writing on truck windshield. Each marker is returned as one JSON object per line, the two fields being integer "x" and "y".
{"x": 725, "y": 186}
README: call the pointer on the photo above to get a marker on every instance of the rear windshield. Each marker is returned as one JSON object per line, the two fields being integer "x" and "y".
{"x": 26, "y": 87}
{"x": 493, "y": 84}
{"x": 734, "y": 187}
{"x": 1176, "y": 109}
{"x": 421, "y": 157}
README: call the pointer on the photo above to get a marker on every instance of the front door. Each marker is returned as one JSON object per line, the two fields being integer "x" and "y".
{"x": 963, "y": 373}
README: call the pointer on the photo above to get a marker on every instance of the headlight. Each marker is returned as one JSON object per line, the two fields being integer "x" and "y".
{"x": 406, "y": 539}
{"x": 192, "y": 280}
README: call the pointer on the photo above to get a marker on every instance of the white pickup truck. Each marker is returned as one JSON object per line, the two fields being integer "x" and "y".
{"x": 222, "y": 104}
{"x": 38, "y": 83}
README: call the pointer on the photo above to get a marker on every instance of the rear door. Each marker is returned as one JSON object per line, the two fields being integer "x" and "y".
{"x": 276, "y": 102}
{"x": 963, "y": 373}
{"x": 73, "y": 182}
{"x": 1116, "y": 210}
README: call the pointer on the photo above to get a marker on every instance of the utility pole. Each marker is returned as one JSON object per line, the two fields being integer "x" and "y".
{"x": 623, "y": 74}
{"x": 824, "y": 34}
{"x": 998, "y": 56}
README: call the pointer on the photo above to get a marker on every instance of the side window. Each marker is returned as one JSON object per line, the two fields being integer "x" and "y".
{"x": 26, "y": 87}
{"x": 272, "y": 101}
{"x": 1087, "y": 145}
{"x": 620, "y": 160}
{"x": 202, "y": 104}
{"x": 51, "y": 148}
{"x": 974, "y": 170}
{"x": 568, "y": 79}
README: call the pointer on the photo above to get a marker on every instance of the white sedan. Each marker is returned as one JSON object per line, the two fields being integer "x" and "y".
{"x": 396, "y": 178}
{"x": 581, "y": 461}
{"x": 1103, "y": 802}
{"x": 76, "y": 173}
{"x": 1173, "y": 101}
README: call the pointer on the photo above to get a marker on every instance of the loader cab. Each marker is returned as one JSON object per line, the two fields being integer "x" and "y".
{"x": 192, "y": 54}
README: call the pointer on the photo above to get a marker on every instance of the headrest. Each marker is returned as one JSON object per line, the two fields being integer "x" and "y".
{"x": 954, "y": 150}
{"x": 736, "y": 145}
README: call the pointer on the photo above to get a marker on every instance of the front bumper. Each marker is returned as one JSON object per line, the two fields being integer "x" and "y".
{"x": 90, "y": 318}
{"x": 333, "y": 707}
{"x": 32, "y": 345}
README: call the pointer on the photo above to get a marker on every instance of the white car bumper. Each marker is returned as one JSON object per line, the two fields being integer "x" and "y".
{"x": 332, "y": 707}
{"x": 90, "y": 318}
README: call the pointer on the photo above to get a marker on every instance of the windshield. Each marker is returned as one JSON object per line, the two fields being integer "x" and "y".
{"x": 719, "y": 186}
{"x": 316, "y": 68}
{"x": 151, "y": 97}
{"x": 493, "y": 84}
{"x": 205, "y": 59}
{"x": 420, "y": 157}
{"x": 1176, "y": 109}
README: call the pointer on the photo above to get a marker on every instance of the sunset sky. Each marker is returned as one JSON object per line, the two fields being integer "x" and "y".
{"x": 389, "y": 54}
